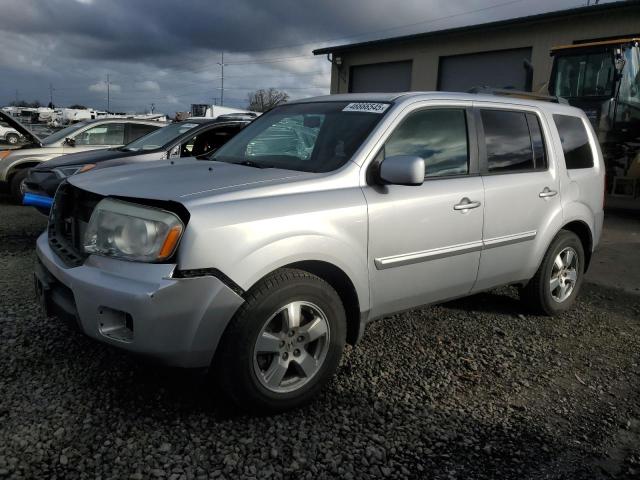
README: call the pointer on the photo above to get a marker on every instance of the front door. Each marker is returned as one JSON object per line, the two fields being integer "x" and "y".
{"x": 522, "y": 197}
{"x": 425, "y": 241}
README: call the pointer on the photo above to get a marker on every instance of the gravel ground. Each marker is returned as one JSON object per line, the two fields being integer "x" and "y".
{"x": 470, "y": 389}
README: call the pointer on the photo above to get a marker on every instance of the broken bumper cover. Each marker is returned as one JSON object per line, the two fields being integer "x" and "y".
{"x": 138, "y": 306}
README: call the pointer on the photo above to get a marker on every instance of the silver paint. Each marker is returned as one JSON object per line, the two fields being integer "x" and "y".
{"x": 248, "y": 222}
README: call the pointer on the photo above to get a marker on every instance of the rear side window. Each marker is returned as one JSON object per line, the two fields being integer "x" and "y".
{"x": 575, "y": 142}
{"x": 514, "y": 141}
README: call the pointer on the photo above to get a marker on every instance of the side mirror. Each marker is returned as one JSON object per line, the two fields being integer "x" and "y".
{"x": 403, "y": 170}
{"x": 70, "y": 141}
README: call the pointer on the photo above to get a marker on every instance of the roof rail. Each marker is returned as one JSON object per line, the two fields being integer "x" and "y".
{"x": 507, "y": 92}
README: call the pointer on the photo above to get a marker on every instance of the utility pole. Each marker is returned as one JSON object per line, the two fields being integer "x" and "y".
{"x": 153, "y": 108}
{"x": 51, "y": 94}
{"x": 221, "y": 63}
{"x": 108, "y": 92}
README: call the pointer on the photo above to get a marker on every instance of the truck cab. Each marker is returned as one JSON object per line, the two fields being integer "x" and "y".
{"x": 603, "y": 79}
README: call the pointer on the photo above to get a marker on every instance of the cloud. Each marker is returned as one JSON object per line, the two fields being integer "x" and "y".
{"x": 148, "y": 86}
{"x": 156, "y": 51}
{"x": 101, "y": 87}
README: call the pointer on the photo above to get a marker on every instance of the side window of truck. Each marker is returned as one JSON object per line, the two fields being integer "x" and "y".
{"x": 439, "y": 136}
{"x": 514, "y": 141}
{"x": 575, "y": 142}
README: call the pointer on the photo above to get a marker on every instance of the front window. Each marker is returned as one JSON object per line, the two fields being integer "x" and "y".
{"x": 160, "y": 137}
{"x": 64, "y": 133}
{"x": 106, "y": 134}
{"x": 584, "y": 75}
{"x": 311, "y": 137}
{"x": 439, "y": 136}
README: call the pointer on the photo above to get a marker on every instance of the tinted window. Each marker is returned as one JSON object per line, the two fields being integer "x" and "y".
{"x": 137, "y": 130}
{"x": 507, "y": 141}
{"x": 438, "y": 136}
{"x": 575, "y": 142}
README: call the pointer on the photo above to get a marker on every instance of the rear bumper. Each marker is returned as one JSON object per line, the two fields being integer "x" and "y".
{"x": 138, "y": 307}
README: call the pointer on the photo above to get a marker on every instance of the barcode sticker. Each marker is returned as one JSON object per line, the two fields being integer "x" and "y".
{"x": 366, "y": 107}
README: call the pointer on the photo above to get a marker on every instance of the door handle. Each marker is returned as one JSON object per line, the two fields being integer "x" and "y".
{"x": 547, "y": 192}
{"x": 466, "y": 204}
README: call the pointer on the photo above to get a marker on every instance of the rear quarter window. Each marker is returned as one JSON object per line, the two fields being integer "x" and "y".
{"x": 575, "y": 142}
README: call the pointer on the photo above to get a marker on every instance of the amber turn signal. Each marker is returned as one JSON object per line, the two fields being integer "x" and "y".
{"x": 170, "y": 242}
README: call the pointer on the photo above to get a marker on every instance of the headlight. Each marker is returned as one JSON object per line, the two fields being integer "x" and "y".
{"x": 64, "y": 172}
{"x": 132, "y": 232}
{"x": 4, "y": 154}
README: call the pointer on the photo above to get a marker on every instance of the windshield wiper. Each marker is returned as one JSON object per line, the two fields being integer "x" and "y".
{"x": 250, "y": 163}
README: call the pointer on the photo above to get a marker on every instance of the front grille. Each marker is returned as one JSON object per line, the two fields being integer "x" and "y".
{"x": 68, "y": 222}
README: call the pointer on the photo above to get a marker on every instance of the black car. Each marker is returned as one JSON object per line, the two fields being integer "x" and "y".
{"x": 194, "y": 137}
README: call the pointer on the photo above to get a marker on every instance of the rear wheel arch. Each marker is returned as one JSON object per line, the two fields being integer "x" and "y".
{"x": 584, "y": 233}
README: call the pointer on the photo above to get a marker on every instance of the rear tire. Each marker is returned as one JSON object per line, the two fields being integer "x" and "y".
{"x": 265, "y": 363}
{"x": 16, "y": 185}
{"x": 556, "y": 284}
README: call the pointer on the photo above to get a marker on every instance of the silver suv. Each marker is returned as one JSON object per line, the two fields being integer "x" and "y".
{"x": 320, "y": 216}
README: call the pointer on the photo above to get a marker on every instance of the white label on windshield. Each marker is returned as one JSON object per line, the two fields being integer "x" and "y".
{"x": 366, "y": 107}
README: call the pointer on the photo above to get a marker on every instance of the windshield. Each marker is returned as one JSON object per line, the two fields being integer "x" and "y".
{"x": 311, "y": 137}
{"x": 159, "y": 138}
{"x": 64, "y": 133}
{"x": 584, "y": 75}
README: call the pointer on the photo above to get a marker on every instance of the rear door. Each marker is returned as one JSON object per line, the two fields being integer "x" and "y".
{"x": 522, "y": 200}
{"x": 425, "y": 241}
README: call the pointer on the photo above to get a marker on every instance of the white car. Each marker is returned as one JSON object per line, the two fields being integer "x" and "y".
{"x": 79, "y": 137}
{"x": 8, "y": 134}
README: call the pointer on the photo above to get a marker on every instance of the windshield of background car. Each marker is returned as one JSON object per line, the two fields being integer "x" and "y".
{"x": 310, "y": 137}
{"x": 64, "y": 133}
{"x": 584, "y": 75}
{"x": 629, "y": 95}
{"x": 159, "y": 138}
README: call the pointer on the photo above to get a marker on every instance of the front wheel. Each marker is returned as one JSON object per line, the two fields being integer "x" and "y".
{"x": 17, "y": 185}
{"x": 556, "y": 284}
{"x": 284, "y": 344}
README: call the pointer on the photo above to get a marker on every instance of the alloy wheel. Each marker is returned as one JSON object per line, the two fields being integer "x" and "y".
{"x": 564, "y": 274}
{"x": 291, "y": 347}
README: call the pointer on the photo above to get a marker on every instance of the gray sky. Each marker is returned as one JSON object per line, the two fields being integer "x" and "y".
{"x": 167, "y": 52}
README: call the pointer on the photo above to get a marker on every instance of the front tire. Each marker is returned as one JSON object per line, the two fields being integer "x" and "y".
{"x": 16, "y": 185}
{"x": 556, "y": 284}
{"x": 284, "y": 344}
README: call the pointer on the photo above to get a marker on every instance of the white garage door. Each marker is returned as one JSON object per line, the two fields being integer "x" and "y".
{"x": 498, "y": 69}
{"x": 381, "y": 77}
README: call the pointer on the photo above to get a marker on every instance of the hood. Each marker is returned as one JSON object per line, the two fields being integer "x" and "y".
{"x": 178, "y": 180}
{"x": 28, "y": 134}
{"x": 82, "y": 158}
